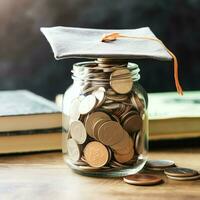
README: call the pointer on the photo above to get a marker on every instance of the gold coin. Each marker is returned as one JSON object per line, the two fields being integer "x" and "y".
{"x": 87, "y": 104}
{"x": 121, "y": 81}
{"x": 110, "y": 92}
{"x": 110, "y": 133}
{"x": 137, "y": 102}
{"x": 125, "y": 146}
{"x": 96, "y": 154}
{"x": 92, "y": 119}
{"x": 122, "y": 143}
{"x": 127, "y": 114}
{"x": 78, "y": 132}
{"x": 96, "y": 127}
{"x": 133, "y": 123}
{"x": 73, "y": 150}
{"x": 111, "y": 61}
{"x": 115, "y": 118}
{"x": 123, "y": 158}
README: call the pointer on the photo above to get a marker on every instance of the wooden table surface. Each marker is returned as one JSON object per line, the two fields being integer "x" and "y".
{"x": 45, "y": 176}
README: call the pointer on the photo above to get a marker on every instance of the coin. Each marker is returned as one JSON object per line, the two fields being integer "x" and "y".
{"x": 110, "y": 133}
{"x": 111, "y": 106}
{"x": 87, "y": 104}
{"x": 160, "y": 163}
{"x": 121, "y": 85}
{"x": 185, "y": 178}
{"x": 92, "y": 119}
{"x": 155, "y": 169}
{"x": 96, "y": 127}
{"x": 132, "y": 66}
{"x": 124, "y": 146}
{"x": 123, "y": 158}
{"x": 73, "y": 150}
{"x": 132, "y": 123}
{"x": 142, "y": 179}
{"x": 139, "y": 143}
{"x": 180, "y": 172}
{"x": 74, "y": 109}
{"x": 118, "y": 98}
{"x": 110, "y": 92}
{"x": 100, "y": 95}
{"x": 115, "y": 118}
{"x": 96, "y": 154}
{"x": 78, "y": 132}
{"x": 125, "y": 149}
{"x": 137, "y": 102}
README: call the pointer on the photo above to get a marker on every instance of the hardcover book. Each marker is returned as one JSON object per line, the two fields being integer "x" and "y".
{"x": 28, "y": 122}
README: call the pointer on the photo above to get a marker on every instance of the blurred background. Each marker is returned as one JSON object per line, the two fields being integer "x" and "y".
{"x": 27, "y": 62}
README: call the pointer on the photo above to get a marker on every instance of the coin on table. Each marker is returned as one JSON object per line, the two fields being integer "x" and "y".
{"x": 110, "y": 133}
{"x": 160, "y": 163}
{"x": 91, "y": 119}
{"x": 142, "y": 179}
{"x": 74, "y": 109}
{"x": 123, "y": 158}
{"x": 185, "y": 178}
{"x": 180, "y": 172}
{"x": 73, "y": 150}
{"x": 121, "y": 81}
{"x": 78, "y": 132}
{"x": 96, "y": 154}
{"x": 87, "y": 104}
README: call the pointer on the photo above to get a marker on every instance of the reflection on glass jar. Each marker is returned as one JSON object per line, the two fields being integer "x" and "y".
{"x": 105, "y": 120}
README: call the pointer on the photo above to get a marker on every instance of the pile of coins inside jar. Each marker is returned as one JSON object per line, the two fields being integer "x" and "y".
{"x": 107, "y": 128}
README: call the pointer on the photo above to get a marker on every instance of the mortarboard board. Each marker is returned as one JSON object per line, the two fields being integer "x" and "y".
{"x": 68, "y": 42}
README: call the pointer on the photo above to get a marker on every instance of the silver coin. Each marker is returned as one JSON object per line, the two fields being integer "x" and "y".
{"x": 185, "y": 178}
{"x": 73, "y": 150}
{"x": 87, "y": 104}
{"x": 160, "y": 163}
{"x": 180, "y": 172}
{"x": 78, "y": 132}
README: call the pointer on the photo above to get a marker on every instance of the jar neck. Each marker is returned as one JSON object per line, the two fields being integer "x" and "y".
{"x": 98, "y": 72}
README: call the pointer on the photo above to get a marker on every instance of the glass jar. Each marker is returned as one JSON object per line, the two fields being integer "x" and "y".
{"x": 105, "y": 120}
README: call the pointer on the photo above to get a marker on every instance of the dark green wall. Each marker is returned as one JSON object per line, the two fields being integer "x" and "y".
{"x": 26, "y": 60}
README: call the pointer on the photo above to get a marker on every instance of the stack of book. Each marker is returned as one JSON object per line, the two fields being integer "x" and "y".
{"x": 174, "y": 117}
{"x": 28, "y": 123}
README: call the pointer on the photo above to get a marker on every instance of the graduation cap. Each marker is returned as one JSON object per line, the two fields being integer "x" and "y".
{"x": 68, "y": 42}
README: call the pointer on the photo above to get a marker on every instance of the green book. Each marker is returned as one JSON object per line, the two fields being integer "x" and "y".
{"x": 174, "y": 117}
